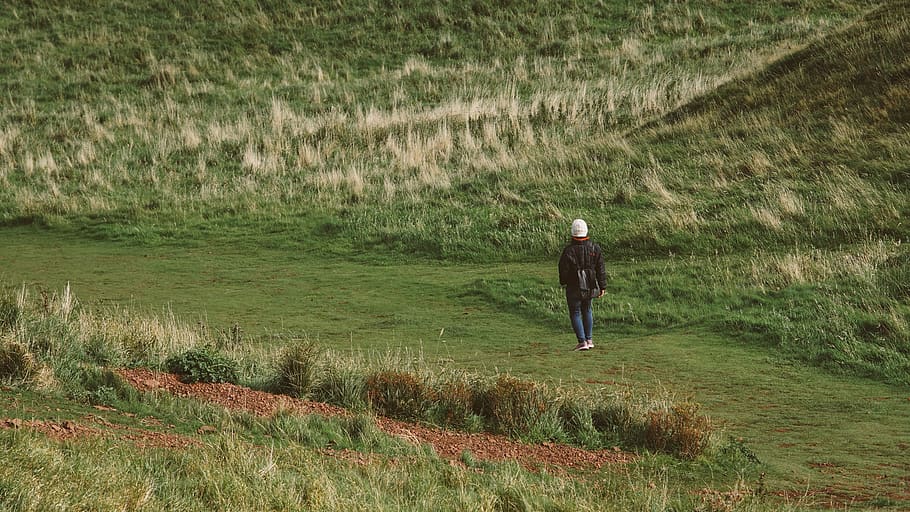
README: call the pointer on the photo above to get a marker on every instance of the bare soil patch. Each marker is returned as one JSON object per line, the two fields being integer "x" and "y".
{"x": 95, "y": 426}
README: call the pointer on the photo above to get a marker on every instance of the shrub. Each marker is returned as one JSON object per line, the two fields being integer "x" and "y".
{"x": 16, "y": 362}
{"x": 9, "y": 313}
{"x": 620, "y": 421}
{"x": 298, "y": 369}
{"x": 454, "y": 402}
{"x": 342, "y": 386}
{"x": 399, "y": 395}
{"x": 680, "y": 431}
{"x": 511, "y": 405}
{"x": 202, "y": 365}
{"x": 577, "y": 421}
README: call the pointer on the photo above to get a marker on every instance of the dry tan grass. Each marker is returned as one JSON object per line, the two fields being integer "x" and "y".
{"x": 190, "y": 136}
{"x": 766, "y": 216}
{"x": 678, "y": 219}
{"x": 155, "y": 337}
{"x": 260, "y": 161}
{"x": 310, "y": 155}
{"x": 807, "y": 267}
{"x": 790, "y": 203}
{"x": 759, "y": 163}
{"x": 653, "y": 183}
{"x": 846, "y": 192}
{"x": 416, "y": 151}
{"x": 846, "y": 133}
{"x": 9, "y": 136}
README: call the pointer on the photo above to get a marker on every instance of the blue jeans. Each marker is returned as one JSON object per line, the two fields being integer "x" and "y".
{"x": 581, "y": 314}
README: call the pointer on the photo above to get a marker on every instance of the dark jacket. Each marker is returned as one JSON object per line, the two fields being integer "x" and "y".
{"x": 581, "y": 252}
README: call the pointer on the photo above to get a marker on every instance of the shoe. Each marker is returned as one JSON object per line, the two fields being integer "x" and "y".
{"x": 581, "y": 346}
{"x": 589, "y": 345}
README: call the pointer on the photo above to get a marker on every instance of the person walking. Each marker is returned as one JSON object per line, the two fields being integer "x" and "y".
{"x": 583, "y": 274}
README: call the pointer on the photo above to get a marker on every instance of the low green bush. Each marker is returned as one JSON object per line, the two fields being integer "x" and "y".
{"x": 298, "y": 369}
{"x": 399, "y": 395}
{"x": 203, "y": 365}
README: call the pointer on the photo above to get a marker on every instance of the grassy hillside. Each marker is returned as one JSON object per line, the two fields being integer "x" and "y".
{"x": 457, "y": 133}
{"x": 743, "y": 164}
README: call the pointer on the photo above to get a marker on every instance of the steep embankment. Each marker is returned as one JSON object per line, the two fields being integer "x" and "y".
{"x": 861, "y": 73}
{"x": 809, "y": 151}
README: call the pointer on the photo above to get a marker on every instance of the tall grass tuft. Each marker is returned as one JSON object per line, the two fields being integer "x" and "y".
{"x": 299, "y": 369}
{"x": 511, "y": 405}
{"x": 454, "y": 405}
{"x": 17, "y": 363}
{"x": 680, "y": 429}
{"x": 398, "y": 394}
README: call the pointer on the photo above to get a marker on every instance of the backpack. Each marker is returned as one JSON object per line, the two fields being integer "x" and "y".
{"x": 587, "y": 277}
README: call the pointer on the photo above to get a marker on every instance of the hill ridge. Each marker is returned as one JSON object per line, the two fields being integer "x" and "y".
{"x": 882, "y": 34}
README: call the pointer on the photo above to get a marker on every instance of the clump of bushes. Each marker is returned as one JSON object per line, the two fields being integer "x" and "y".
{"x": 203, "y": 365}
{"x": 398, "y": 394}
{"x": 680, "y": 430}
{"x": 65, "y": 351}
{"x": 9, "y": 313}
{"x": 512, "y": 405}
{"x": 17, "y": 363}
{"x": 298, "y": 369}
{"x": 505, "y": 404}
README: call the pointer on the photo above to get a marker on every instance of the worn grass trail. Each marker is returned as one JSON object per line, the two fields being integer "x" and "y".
{"x": 812, "y": 430}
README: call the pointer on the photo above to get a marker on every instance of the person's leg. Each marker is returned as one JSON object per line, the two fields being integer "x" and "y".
{"x": 587, "y": 319}
{"x": 575, "y": 316}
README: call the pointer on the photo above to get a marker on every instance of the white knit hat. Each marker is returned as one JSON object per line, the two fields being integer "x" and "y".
{"x": 579, "y": 228}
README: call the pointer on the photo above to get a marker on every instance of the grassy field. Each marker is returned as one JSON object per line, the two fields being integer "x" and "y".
{"x": 389, "y": 179}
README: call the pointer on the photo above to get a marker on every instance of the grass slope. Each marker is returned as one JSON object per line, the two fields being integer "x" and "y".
{"x": 742, "y": 163}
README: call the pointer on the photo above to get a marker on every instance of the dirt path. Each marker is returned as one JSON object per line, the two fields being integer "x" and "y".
{"x": 96, "y": 426}
{"x": 448, "y": 444}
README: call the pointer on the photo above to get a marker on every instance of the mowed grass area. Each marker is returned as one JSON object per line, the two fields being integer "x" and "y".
{"x": 809, "y": 429}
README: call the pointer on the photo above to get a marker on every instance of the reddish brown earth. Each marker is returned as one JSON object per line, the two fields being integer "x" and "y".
{"x": 448, "y": 444}
{"x": 96, "y": 426}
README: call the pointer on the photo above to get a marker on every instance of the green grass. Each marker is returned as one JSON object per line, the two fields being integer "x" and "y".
{"x": 388, "y": 178}
{"x": 787, "y": 415}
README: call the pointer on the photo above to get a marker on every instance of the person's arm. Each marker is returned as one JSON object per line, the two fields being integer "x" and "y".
{"x": 601, "y": 270}
{"x": 563, "y": 269}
